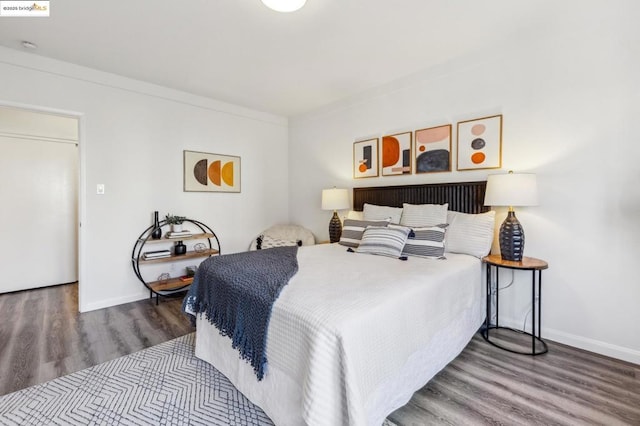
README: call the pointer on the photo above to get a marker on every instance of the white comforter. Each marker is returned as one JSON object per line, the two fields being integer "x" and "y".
{"x": 347, "y": 327}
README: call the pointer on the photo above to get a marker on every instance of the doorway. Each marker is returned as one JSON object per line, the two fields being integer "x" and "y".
{"x": 39, "y": 176}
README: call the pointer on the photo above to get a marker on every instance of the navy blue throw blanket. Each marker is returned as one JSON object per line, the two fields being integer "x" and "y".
{"x": 236, "y": 293}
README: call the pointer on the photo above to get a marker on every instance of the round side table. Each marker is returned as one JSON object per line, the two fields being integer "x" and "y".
{"x": 526, "y": 264}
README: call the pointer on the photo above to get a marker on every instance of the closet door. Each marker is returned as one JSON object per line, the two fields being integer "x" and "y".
{"x": 38, "y": 212}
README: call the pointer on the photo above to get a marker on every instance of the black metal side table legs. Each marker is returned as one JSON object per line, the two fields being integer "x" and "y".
{"x": 538, "y": 346}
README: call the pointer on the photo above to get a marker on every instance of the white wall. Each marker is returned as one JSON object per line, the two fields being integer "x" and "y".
{"x": 569, "y": 91}
{"x": 132, "y": 138}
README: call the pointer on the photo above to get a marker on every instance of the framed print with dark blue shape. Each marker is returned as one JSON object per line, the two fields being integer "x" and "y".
{"x": 433, "y": 149}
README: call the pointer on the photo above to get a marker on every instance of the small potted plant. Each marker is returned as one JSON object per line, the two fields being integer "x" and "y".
{"x": 175, "y": 222}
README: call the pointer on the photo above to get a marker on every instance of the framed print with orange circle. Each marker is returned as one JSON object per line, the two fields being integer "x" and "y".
{"x": 365, "y": 158}
{"x": 480, "y": 143}
{"x": 433, "y": 149}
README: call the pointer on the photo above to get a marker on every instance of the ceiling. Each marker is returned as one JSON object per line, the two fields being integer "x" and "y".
{"x": 239, "y": 51}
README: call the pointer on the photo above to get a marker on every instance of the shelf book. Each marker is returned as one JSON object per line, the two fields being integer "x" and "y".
{"x": 176, "y": 235}
{"x": 156, "y": 254}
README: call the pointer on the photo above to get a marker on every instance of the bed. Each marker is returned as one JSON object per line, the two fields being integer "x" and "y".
{"x": 353, "y": 336}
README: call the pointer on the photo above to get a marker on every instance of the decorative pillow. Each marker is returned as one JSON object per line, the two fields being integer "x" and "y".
{"x": 352, "y": 230}
{"x": 423, "y": 215}
{"x": 355, "y": 215}
{"x": 470, "y": 233}
{"x": 267, "y": 242}
{"x": 384, "y": 240}
{"x": 426, "y": 242}
{"x": 374, "y": 212}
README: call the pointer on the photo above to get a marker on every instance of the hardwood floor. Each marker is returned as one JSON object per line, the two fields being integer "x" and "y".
{"x": 42, "y": 337}
{"x": 485, "y": 385}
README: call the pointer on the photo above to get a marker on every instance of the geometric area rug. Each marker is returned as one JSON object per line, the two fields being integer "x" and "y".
{"x": 161, "y": 385}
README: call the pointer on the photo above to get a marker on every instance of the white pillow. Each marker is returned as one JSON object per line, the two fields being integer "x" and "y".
{"x": 470, "y": 233}
{"x": 355, "y": 215}
{"x": 374, "y": 212}
{"x": 423, "y": 215}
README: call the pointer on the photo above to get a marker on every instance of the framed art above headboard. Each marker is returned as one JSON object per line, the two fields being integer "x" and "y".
{"x": 465, "y": 197}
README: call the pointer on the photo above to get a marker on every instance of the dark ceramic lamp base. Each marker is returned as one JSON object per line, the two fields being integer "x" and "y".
{"x": 511, "y": 238}
{"x": 335, "y": 228}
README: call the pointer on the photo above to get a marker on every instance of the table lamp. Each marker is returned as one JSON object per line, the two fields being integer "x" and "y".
{"x": 335, "y": 199}
{"x": 511, "y": 189}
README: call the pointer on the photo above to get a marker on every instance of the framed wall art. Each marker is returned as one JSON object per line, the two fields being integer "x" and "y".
{"x": 433, "y": 149}
{"x": 396, "y": 154}
{"x": 480, "y": 143}
{"x": 205, "y": 172}
{"x": 365, "y": 159}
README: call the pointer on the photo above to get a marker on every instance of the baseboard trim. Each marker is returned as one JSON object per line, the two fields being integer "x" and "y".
{"x": 107, "y": 303}
{"x": 591, "y": 345}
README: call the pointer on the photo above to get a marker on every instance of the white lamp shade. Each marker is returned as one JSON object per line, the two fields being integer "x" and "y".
{"x": 511, "y": 189}
{"x": 335, "y": 199}
{"x": 284, "y": 5}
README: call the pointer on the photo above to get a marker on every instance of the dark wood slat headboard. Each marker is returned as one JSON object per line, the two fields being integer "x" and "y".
{"x": 465, "y": 197}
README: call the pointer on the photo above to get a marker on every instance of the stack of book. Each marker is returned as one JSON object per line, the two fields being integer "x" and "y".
{"x": 148, "y": 255}
{"x": 179, "y": 234}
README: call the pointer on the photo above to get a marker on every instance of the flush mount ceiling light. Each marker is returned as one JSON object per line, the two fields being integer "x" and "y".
{"x": 284, "y": 5}
{"x": 28, "y": 45}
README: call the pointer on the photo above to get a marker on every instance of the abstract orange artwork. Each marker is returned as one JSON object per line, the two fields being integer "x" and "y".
{"x": 433, "y": 149}
{"x": 365, "y": 158}
{"x": 396, "y": 154}
{"x": 204, "y": 172}
{"x": 480, "y": 143}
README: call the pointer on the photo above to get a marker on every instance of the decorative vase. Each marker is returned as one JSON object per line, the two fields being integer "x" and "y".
{"x": 157, "y": 231}
{"x": 179, "y": 249}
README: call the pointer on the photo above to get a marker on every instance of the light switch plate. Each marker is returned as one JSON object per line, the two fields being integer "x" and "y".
{"x": 100, "y": 189}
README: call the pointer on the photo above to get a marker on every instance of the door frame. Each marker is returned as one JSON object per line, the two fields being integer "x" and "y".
{"x": 81, "y": 180}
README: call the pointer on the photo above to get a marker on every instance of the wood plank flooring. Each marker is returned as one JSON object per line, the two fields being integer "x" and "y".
{"x": 42, "y": 336}
{"x": 485, "y": 385}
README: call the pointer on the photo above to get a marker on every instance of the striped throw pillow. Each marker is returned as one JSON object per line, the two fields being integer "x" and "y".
{"x": 267, "y": 242}
{"x": 426, "y": 242}
{"x": 423, "y": 215}
{"x": 384, "y": 240}
{"x": 352, "y": 230}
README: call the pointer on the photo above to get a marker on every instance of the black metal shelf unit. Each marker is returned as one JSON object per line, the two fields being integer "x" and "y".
{"x": 174, "y": 285}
